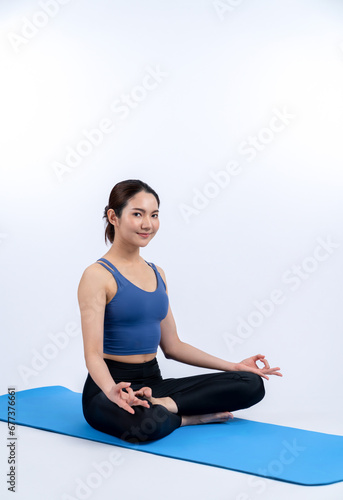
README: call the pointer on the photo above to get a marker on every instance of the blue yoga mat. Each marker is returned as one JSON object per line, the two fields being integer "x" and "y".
{"x": 266, "y": 450}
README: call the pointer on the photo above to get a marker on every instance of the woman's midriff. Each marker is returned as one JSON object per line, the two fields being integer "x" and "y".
{"x": 133, "y": 358}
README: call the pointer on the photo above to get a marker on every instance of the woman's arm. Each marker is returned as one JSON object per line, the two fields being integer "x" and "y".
{"x": 174, "y": 348}
{"x": 186, "y": 353}
{"x": 92, "y": 303}
{"x": 189, "y": 354}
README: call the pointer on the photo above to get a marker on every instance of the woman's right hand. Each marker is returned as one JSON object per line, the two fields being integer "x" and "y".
{"x": 126, "y": 399}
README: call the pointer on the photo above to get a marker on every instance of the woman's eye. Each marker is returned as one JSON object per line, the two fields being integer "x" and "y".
{"x": 138, "y": 213}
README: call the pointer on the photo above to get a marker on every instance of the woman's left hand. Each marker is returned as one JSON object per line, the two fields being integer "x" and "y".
{"x": 144, "y": 392}
{"x": 250, "y": 365}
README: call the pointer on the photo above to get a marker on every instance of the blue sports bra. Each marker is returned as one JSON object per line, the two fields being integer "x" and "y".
{"x": 132, "y": 318}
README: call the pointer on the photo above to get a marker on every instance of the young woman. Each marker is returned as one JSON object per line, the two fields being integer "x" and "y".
{"x": 125, "y": 316}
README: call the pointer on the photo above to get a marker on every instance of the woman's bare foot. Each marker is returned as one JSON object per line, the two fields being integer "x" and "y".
{"x": 207, "y": 418}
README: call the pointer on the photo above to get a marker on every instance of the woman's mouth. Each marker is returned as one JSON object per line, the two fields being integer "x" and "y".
{"x": 144, "y": 235}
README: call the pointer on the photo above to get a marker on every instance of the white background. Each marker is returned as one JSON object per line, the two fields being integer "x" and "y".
{"x": 229, "y": 67}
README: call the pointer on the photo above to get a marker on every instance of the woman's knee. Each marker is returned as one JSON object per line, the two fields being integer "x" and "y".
{"x": 251, "y": 384}
{"x": 256, "y": 387}
{"x": 146, "y": 424}
{"x": 153, "y": 423}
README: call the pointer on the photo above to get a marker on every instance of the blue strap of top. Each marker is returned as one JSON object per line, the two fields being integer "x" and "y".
{"x": 115, "y": 269}
{"x": 108, "y": 263}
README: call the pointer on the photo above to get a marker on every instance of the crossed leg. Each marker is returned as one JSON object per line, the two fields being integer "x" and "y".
{"x": 206, "y": 418}
{"x": 188, "y": 401}
{"x": 213, "y": 395}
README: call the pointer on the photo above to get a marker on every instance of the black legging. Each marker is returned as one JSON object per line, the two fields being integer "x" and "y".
{"x": 194, "y": 395}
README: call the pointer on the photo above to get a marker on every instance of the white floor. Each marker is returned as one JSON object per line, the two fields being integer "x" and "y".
{"x": 55, "y": 467}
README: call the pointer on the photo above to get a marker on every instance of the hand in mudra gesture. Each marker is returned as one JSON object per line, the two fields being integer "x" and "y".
{"x": 250, "y": 365}
{"x": 128, "y": 399}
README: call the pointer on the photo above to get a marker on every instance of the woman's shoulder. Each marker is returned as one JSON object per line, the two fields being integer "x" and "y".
{"x": 94, "y": 278}
{"x": 160, "y": 270}
{"x": 95, "y": 271}
{"x": 93, "y": 267}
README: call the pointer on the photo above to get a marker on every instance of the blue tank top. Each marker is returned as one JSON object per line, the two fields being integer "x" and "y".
{"x": 132, "y": 318}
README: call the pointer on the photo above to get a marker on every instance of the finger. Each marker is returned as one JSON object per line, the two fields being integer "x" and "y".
{"x": 260, "y": 372}
{"x": 259, "y": 356}
{"x": 264, "y": 367}
{"x": 266, "y": 364}
{"x": 267, "y": 370}
{"x": 132, "y": 396}
{"x": 147, "y": 391}
{"x": 125, "y": 400}
{"x": 144, "y": 391}
{"x": 129, "y": 390}
{"x": 126, "y": 397}
{"x": 126, "y": 407}
{"x": 123, "y": 384}
{"x": 263, "y": 374}
{"x": 135, "y": 401}
{"x": 129, "y": 409}
{"x": 272, "y": 371}
{"x": 142, "y": 402}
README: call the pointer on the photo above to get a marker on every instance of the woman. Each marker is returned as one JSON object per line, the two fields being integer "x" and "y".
{"x": 125, "y": 315}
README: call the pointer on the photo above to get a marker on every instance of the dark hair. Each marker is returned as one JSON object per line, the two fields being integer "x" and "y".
{"x": 119, "y": 197}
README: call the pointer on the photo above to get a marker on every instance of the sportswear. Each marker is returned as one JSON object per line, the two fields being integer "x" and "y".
{"x": 132, "y": 318}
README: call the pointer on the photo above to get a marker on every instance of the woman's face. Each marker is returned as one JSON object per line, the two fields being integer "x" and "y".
{"x": 139, "y": 217}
